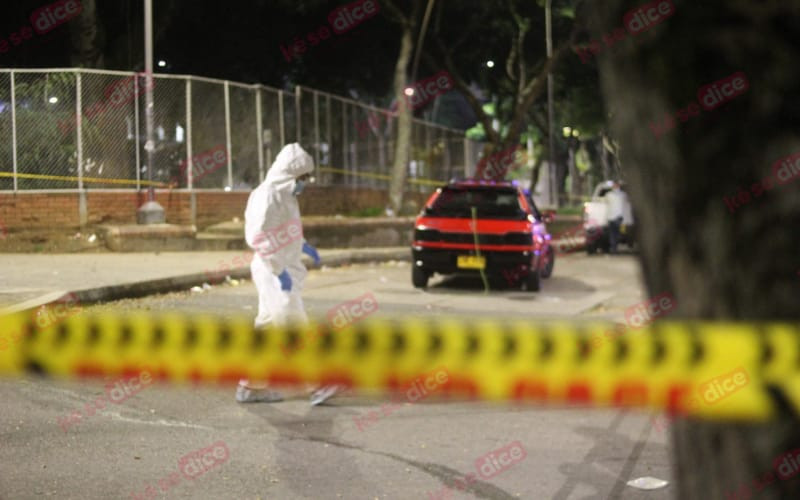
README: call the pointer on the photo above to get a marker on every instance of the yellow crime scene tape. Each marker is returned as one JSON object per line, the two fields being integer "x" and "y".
{"x": 715, "y": 370}
{"x": 85, "y": 179}
{"x": 65, "y": 178}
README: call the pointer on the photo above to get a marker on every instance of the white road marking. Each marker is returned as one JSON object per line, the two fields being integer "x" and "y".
{"x": 116, "y": 416}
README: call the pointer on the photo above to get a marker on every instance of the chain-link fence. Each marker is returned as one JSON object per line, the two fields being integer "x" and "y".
{"x": 88, "y": 129}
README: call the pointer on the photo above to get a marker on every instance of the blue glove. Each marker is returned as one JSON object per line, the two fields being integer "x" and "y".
{"x": 311, "y": 252}
{"x": 286, "y": 281}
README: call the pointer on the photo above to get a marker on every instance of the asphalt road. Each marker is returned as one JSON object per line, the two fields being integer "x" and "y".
{"x": 288, "y": 450}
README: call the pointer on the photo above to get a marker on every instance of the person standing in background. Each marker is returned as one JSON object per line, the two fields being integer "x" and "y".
{"x": 615, "y": 202}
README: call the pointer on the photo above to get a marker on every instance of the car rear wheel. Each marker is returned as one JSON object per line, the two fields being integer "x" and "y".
{"x": 550, "y": 262}
{"x": 532, "y": 281}
{"x": 419, "y": 277}
{"x": 591, "y": 242}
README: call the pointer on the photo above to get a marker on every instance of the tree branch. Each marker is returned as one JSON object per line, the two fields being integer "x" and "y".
{"x": 510, "y": 62}
{"x": 394, "y": 13}
{"x": 537, "y": 86}
{"x": 462, "y": 86}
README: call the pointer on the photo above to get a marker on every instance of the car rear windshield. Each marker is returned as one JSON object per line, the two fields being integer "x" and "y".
{"x": 490, "y": 203}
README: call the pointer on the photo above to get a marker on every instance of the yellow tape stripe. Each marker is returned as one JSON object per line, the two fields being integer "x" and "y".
{"x": 719, "y": 370}
{"x": 85, "y": 179}
{"x": 424, "y": 182}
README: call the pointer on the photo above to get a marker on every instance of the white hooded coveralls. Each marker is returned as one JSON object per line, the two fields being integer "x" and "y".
{"x": 269, "y": 208}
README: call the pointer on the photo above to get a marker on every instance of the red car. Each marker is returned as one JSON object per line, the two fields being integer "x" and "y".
{"x": 473, "y": 226}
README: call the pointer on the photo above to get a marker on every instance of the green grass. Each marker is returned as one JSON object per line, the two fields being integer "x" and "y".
{"x": 574, "y": 210}
{"x": 368, "y": 212}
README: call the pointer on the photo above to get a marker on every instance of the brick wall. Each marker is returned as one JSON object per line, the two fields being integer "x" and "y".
{"x": 214, "y": 207}
{"x": 58, "y": 210}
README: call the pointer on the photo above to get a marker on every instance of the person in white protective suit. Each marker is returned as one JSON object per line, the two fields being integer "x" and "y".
{"x": 273, "y": 230}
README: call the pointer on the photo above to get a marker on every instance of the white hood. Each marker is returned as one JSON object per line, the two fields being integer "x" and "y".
{"x": 272, "y": 205}
{"x": 292, "y": 162}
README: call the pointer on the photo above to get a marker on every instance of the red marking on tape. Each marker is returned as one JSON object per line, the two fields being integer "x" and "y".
{"x": 460, "y": 385}
{"x": 285, "y": 377}
{"x": 337, "y": 378}
{"x": 579, "y": 392}
{"x": 89, "y": 370}
{"x": 676, "y": 397}
{"x": 630, "y": 394}
{"x": 529, "y": 389}
{"x": 231, "y": 375}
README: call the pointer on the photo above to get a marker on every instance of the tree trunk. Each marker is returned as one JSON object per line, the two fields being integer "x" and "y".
{"x": 601, "y": 146}
{"x": 401, "y": 153}
{"x": 561, "y": 177}
{"x": 574, "y": 177}
{"x": 536, "y": 170}
{"x": 84, "y": 32}
{"x": 720, "y": 260}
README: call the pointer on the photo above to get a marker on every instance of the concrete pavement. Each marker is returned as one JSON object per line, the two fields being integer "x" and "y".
{"x": 424, "y": 449}
{"x": 28, "y": 281}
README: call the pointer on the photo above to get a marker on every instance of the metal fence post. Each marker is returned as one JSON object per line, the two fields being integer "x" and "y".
{"x": 429, "y": 164}
{"x": 467, "y": 156}
{"x": 353, "y": 146}
{"x": 136, "y": 134}
{"x": 316, "y": 132}
{"x": 345, "y": 162}
{"x": 228, "y": 133}
{"x": 189, "y": 151}
{"x": 280, "y": 119}
{"x": 259, "y": 136}
{"x": 298, "y": 117}
{"x": 82, "y": 210}
{"x": 14, "y": 128}
{"x": 328, "y": 137}
{"x": 447, "y": 160}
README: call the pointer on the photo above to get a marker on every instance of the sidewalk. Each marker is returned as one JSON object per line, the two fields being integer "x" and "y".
{"x": 27, "y": 281}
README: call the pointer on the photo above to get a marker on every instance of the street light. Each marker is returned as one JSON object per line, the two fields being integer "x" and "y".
{"x": 549, "y": 30}
{"x": 150, "y": 212}
{"x": 490, "y": 64}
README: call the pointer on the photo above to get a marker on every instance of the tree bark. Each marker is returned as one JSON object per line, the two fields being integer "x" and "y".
{"x": 85, "y": 38}
{"x": 537, "y": 167}
{"x": 601, "y": 148}
{"x": 719, "y": 261}
{"x": 529, "y": 85}
{"x": 407, "y": 23}
{"x": 401, "y": 153}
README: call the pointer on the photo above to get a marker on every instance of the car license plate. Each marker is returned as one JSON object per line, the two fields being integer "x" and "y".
{"x": 471, "y": 262}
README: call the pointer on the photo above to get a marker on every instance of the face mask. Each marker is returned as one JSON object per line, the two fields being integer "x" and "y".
{"x": 298, "y": 187}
